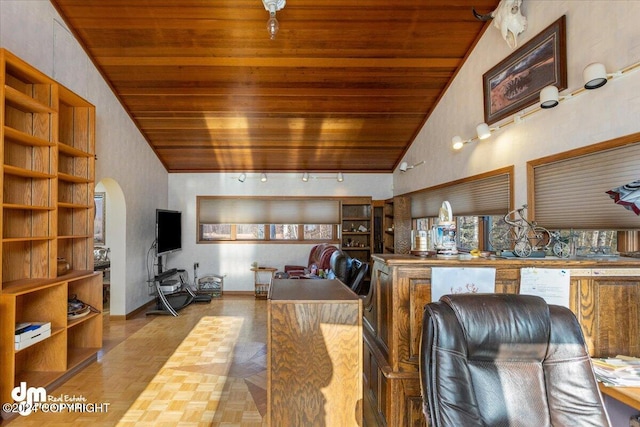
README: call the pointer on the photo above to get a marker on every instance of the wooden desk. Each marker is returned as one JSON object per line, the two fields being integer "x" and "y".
{"x": 602, "y": 294}
{"x": 630, "y": 396}
{"x": 314, "y": 359}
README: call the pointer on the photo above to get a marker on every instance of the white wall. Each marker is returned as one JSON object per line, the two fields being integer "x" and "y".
{"x": 603, "y": 31}
{"x": 34, "y": 31}
{"x": 234, "y": 260}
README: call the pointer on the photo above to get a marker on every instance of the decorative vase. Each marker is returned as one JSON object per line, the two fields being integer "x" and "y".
{"x": 63, "y": 266}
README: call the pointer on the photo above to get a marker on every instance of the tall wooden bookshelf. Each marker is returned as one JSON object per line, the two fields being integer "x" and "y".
{"x": 357, "y": 224}
{"x": 47, "y": 136}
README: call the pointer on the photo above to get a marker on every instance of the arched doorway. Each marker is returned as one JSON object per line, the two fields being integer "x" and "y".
{"x": 115, "y": 231}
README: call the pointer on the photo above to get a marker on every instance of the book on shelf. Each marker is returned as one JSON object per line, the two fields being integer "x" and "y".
{"x": 619, "y": 371}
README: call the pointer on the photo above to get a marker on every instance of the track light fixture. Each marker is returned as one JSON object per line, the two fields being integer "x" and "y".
{"x": 272, "y": 6}
{"x": 242, "y": 177}
{"x": 458, "y": 143}
{"x": 263, "y": 177}
{"x": 404, "y": 166}
{"x": 305, "y": 177}
{"x": 483, "y": 131}
{"x": 549, "y": 97}
{"x": 595, "y": 75}
{"x": 340, "y": 177}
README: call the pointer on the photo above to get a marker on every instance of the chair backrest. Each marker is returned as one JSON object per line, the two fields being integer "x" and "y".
{"x": 506, "y": 360}
{"x": 360, "y": 270}
{"x": 340, "y": 264}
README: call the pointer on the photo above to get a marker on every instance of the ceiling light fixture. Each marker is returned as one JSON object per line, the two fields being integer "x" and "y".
{"x": 263, "y": 177}
{"x": 305, "y": 177}
{"x": 340, "y": 177}
{"x": 242, "y": 177}
{"x": 272, "y": 6}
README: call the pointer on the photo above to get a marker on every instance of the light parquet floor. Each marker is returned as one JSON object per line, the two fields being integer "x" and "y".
{"x": 136, "y": 377}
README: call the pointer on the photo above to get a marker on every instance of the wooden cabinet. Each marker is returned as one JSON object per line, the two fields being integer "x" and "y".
{"x": 47, "y": 137}
{"x": 357, "y": 227}
{"x": 604, "y": 296}
{"x": 314, "y": 354}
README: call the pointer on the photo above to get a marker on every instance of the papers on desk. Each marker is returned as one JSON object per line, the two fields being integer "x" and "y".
{"x": 619, "y": 371}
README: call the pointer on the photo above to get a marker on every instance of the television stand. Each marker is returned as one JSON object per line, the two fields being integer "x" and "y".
{"x": 170, "y": 295}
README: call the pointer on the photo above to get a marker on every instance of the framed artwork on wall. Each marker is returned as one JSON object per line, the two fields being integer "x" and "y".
{"x": 515, "y": 83}
{"x": 99, "y": 228}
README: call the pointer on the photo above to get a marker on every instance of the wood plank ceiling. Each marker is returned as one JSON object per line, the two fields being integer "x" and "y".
{"x": 345, "y": 86}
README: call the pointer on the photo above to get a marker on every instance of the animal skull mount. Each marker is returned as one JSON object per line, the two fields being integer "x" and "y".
{"x": 508, "y": 18}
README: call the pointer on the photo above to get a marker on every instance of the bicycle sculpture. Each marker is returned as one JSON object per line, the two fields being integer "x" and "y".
{"x": 524, "y": 236}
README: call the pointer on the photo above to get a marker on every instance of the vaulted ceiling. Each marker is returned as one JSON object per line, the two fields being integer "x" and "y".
{"x": 345, "y": 86}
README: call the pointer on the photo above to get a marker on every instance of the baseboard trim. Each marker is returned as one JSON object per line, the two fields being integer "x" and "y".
{"x": 143, "y": 308}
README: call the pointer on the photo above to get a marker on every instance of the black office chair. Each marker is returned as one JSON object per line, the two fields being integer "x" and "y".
{"x": 489, "y": 360}
{"x": 358, "y": 275}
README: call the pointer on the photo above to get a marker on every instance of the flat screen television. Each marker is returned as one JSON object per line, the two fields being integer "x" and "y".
{"x": 168, "y": 231}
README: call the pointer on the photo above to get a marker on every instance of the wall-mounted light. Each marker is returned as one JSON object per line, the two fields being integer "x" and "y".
{"x": 263, "y": 177}
{"x": 483, "y": 131}
{"x": 595, "y": 76}
{"x": 340, "y": 177}
{"x": 305, "y": 177}
{"x": 272, "y": 6}
{"x": 404, "y": 166}
{"x": 549, "y": 97}
{"x": 242, "y": 177}
{"x": 458, "y": 143}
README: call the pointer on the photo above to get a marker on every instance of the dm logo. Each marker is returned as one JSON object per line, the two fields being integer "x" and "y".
{"x": 29, "y": 396}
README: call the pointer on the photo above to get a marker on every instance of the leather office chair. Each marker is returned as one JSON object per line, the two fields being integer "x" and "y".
{"x": 360, "y": 270}
{"x": 340, "y": 264}
{"x": 506, "y": 360}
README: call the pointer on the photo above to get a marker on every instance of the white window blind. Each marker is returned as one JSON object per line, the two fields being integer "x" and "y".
{"x": 571, "y": 193}
{"x": 224, "y": 210}
{"x": 484, "y": 196}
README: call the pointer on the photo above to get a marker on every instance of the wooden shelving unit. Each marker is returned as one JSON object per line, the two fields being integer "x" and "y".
{"x": 388, "y": 228}
{"x": 357, "y": 224}
{"x": 47, "y": 172}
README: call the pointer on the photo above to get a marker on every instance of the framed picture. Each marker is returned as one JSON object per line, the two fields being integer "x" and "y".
{"x": 99, "y": 200}
{"x": 515, "y": 83}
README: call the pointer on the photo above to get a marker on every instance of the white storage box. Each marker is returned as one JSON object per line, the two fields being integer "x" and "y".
{"x": 33, "y": 334}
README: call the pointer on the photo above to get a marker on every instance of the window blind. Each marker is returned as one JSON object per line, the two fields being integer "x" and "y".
{"x": 483, "y": 196}
{"x": 571, "y": 193}
{"x": 223, "y": 210}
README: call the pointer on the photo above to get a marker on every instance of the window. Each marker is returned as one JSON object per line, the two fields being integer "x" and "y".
{"x": 318, "y": 232}
{"x": 266, "y": 219}
{"x": 568, "y": 194}
{"x": 467, "y": 232}
{"x": 250, "y": 231}
{"x": 283, "y": 232}
{"x": 215, "y": 231}
{"x": 474, "y": 201}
